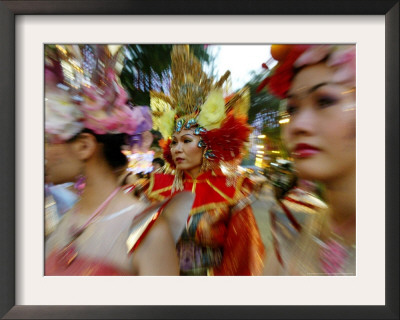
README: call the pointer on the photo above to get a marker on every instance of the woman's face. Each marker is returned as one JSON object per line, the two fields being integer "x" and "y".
{"x": 61, "y": 163}
{"x": 186, "y": 154}
{"x": 321, "y": 133}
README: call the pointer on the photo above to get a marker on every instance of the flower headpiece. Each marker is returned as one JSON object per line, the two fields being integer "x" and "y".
{"x": 82, "y": 91}
{"x": 292, "y": 57}
{"x": 196, "y": 102}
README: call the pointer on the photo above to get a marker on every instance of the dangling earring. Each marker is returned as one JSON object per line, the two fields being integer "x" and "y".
{"x": 80, "y": 184}
{"x": 207, "y": 164}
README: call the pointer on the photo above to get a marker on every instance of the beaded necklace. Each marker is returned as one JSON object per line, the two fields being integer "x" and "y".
{"x": 334, "y": 251}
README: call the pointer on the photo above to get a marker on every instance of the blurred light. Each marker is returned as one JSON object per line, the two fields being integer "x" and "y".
{"x": 223, "y": 169}
{"x": 113, "y": 48}
{"x": 61, "y": 49}
{"x": 275, "y": 151}
{"x": 284, "y": 120}
{"x": 62, "y": 86}
{"x": 259, "y": 155}
{"x": 258, "y": 165}
{"x": 348, "y": 91}
{"x": 262, "y": 152}
{"x": 262, "y": 136}
{"x": 260, "y": 146}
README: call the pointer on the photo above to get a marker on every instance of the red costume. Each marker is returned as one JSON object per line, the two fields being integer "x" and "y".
{"x": 221, "y": 236}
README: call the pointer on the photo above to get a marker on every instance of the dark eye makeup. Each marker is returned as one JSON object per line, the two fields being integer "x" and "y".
{"x": 185, "y": 140}
{"x": 320, "y": 100}
{"x": 291, "y": 109}
{"x": 324, "y": 101}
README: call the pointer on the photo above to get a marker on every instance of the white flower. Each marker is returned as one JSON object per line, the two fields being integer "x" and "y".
{"x": 63, "y": 117}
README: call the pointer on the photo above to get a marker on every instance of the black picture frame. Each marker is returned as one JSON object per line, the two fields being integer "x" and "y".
{"x": 10, "y": 9}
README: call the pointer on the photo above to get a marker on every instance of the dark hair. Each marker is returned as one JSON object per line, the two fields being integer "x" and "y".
{"x": 112, "y": 147}
{"x": 160, "y": 161}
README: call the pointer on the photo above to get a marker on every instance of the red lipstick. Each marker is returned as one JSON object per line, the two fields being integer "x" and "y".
{"x": 304, "y": 150}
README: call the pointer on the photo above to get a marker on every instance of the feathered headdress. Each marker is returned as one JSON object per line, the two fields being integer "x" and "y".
{"x": 292, "y": 57}
{"x": 82, "y": 91}
{"x": 196, "y": 102}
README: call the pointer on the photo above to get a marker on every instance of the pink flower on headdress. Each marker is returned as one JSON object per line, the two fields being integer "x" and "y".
{"x": 122, "y": 98}
{"x": 106, "y": 110}
{"x": 100, "y": 105}
{"x": 313, "y": 55}
{"x": 342, "y": 57}
{"x": 279, "y": 82}
{"x": 63, "y": 117}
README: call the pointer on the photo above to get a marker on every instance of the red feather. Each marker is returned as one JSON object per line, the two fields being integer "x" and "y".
{"x": 279, "y": 82}
{"x": 227, "y": 142}
{"x": 165, "y": 145}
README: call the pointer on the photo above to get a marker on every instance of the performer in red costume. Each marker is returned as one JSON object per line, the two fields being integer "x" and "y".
{"x": 204, "y": 136}
{"x": 107, "y": 232}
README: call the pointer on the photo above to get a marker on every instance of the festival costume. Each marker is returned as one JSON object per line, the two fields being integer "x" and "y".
{"x": 221, "y": 236}
{"x": 105, "y": 247}
{"x": 297, "y": 222}
{"x": 301, "y": 242}
{"x": 101, "y": 249}
{"x": 298, "y": 241}
{"x": 91, "y": 98}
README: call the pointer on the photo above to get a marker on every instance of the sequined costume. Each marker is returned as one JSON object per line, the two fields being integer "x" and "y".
{"x": 299, "y": 247}
{"x": 221, "y": 236}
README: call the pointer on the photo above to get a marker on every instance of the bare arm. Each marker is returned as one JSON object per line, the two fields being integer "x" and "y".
{"x": 156, "y": 255}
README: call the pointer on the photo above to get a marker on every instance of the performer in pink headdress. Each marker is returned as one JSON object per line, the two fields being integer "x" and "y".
{"x": 87, "y": 120}
{"x": 317, "y": 84}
